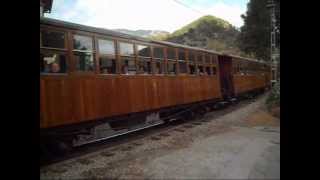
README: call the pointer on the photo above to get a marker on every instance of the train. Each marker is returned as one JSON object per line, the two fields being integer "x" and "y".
{"x": 97, "y": 83}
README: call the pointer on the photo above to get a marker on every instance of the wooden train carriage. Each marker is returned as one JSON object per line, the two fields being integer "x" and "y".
{"x": 249, "y": 75}
{"x": 89, "y": 73}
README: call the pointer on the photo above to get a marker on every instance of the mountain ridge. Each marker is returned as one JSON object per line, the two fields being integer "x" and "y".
{"x": 142, "y": 32}
{"x": 208, "y": 32}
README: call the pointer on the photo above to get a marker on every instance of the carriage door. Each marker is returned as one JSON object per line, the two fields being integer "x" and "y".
{"x": 226, "y": 78}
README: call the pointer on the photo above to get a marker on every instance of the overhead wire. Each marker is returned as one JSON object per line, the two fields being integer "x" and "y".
{"x": 182, "y": 4}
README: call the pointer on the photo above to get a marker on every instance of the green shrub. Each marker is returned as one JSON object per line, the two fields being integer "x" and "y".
{"x": 274, "y": 97}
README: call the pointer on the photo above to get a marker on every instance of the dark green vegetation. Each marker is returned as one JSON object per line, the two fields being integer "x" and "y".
{"x": 273, "y": 99}
{"x": 255, "y": 33}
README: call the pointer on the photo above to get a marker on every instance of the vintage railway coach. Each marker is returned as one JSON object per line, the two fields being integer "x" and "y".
{"x": 249, "y": 75}
{"x": 90, "y": 75}
{"x": 96, "y": 83}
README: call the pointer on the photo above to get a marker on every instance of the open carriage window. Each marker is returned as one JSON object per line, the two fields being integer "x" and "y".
{"x": 200, "y": 70}
{"x": 158, "y": 55}
{"x": 52, "y": 62}
{"x": 207, "y": 70}
{"x": 192, "y": 64}
{"x": 182, "y": 61}
{"x": 192, "y": 69}
{"x": 144, "y": 59}
{"x": 172, "y": 63}
{"x": 53, "y": 57}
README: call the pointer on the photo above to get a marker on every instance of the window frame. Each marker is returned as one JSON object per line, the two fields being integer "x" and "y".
{"x": 120, "y": 56}
{"x": 174, "y": 61}
{"x": 143, "y": 58}
{"x": 200, "y": 63}
{"x": 59, "y": 50}
{"x": 93, "y": 52}
{"x": 184, "y": 51}
{"x": 99, "y": 54}
{"x": 158, "y": 60}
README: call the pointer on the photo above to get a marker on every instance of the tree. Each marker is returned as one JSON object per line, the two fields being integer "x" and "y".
{"x": 254, "y": 37}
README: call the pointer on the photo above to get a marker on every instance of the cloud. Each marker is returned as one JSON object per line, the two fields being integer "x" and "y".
{"x": 138, "y": 14}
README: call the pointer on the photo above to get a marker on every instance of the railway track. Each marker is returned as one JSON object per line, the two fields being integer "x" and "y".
{"x": 154, "y": 133}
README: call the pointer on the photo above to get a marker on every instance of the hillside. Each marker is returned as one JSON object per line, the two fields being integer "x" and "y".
{"x": 206, "y": 32}
{"x": 143, "y": 33}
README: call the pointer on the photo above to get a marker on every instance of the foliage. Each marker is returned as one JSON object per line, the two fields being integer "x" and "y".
{"x": 214, "y": 22}
{"x": 274, "y": 96}
{"x": 159, "y": 37}
{"x": 255, "y": 33}
{"x": 207, "y": 32}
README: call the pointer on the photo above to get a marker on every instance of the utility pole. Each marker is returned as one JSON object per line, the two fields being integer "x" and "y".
{"x": 275, "y": 52}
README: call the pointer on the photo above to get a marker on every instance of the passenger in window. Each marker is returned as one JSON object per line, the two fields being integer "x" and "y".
{"x": 55, "y": 68}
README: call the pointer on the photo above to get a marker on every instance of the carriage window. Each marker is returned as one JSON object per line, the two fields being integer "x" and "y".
{"x": 144, "y": 59}
{"x": 84, "y": 61}
{"x": 82, "y": 53}
{"x": 126, "y": 49}
{"x": 183, "y": 67}
{"x": 159, "y": 65}
{"x": 171, "y": 53}
{"x": 192, "y": 69}
{"x": 214, "y": 59}
{"x": 158, "y": 52}
{"x": 52, "y": 39}
{"x": 82, "y": 43}
{"x": 191, "y": 56}
{"x": 144, "y": 66}
{"x": 199, "y": 58}
{"x": 52, "y": 62}
{"x": 207, "y": 59}
{"x": 107, "y": 60}
{"x": 171, "y": 67}
{"x": 182, "y": 55}
{"x": 106, "y": 46}
{"x": 128, "y": 65}
{"x": 200, "y": 70}
{"x": 107, "y": 65}
{"x": 158, "y": 55}
{"x": 143, "y": 51}
{"x": 208, "y": 71}
{"x": 214, "y": 70}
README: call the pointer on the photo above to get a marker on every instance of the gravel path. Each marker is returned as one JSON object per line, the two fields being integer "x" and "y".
{"x": 244, "y": 143}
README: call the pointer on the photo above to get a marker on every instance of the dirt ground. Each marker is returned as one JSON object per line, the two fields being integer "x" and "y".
{"x": 244, "y": 143}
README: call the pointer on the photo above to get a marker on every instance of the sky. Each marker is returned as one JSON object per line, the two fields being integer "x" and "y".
{"x": 167, "y": 15}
